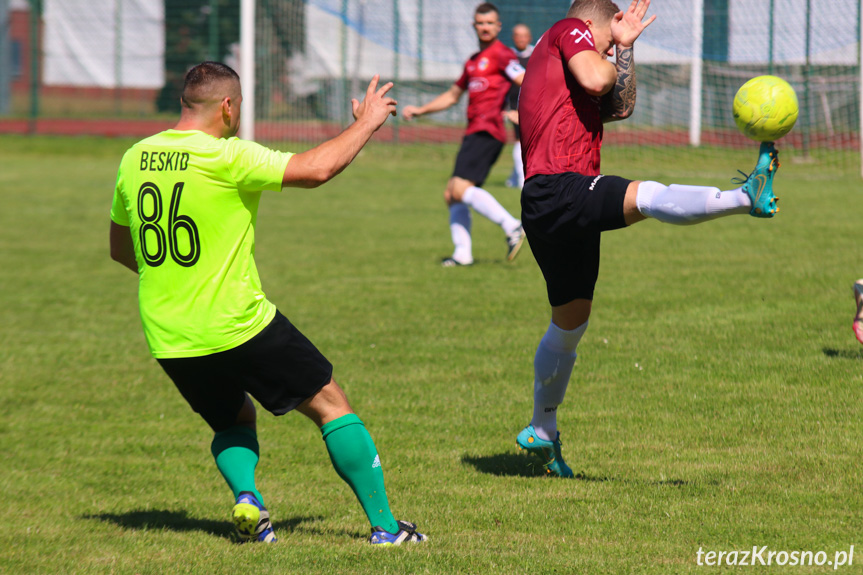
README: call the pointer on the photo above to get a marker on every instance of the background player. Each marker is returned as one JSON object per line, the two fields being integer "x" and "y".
{"x": 521, "y": 41}
{"x": 487, "y": 77}
{"x": 567, "y": 202}
{"x": 184, "y": 218}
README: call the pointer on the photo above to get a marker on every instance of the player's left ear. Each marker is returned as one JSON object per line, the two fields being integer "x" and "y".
{"x": 228, "y": 109}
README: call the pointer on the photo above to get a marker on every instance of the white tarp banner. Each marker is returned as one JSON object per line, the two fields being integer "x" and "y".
{"x": 833, "y": 32}
{"x": 361, "y": 41}
{"x": 104, "y": 43}
{"x": 832, "y": 37}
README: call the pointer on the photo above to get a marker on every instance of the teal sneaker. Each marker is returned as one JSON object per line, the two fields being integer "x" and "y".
{"x": 252, "y": 520}
{"x": 549, "y": 451}
{"x": 759, "y": 184}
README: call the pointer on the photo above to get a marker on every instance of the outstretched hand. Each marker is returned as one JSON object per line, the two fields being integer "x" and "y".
{"x": 376, "y": 106}
{"x": 627, "y": 26}
{"x": 410, "y": 112}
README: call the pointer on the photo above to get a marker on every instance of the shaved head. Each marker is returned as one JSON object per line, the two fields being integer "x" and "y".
{"x": 211, "y": 100}
{"x": 207, "y": 84}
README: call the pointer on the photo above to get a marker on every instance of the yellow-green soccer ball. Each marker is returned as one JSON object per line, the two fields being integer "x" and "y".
{"x": 765, "y": 108}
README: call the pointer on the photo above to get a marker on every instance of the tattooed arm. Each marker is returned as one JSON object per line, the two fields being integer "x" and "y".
{"x": 619, "y": 103}
{"x": 625, "y": 28}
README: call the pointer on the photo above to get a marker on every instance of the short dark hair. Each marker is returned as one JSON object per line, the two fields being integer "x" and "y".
{"x": 203, "y": 76}
{"x": 597, "y": 9}
{"x": 486, "y": 8}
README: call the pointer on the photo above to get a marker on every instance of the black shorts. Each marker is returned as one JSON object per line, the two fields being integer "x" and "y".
{"x": 477, "y": 155}
{"x": 563, "y": 216}
{"x": 279, "y": 367}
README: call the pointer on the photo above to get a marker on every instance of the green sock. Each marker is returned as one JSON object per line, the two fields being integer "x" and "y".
{"x": 236, "y": 453}
{"x": 356, "y": 460}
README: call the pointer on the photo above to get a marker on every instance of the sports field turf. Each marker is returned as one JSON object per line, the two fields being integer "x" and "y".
{"x": 716, "y": 402}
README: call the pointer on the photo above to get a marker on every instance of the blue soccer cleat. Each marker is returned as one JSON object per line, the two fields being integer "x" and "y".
{"x": 407, "y": 532}
{"x": 548, "y": 451}
{"x": 759, "y": 184}
{"x": 252, "y": 520}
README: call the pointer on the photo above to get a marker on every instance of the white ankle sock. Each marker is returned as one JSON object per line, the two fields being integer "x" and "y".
{"x": 685, "y": 205}
{"x": 486, "y": 205}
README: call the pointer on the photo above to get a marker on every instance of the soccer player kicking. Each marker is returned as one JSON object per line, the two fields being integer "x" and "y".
{"x": 487, "y": 77}
{"x": 569, "y": 90}
{"x": 183, "y": 218}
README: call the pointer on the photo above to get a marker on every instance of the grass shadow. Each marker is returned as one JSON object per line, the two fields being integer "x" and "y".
{"x": 480, "y": 262}
{"x": 520, "y": 465}
{"x": 516, "y": 465}
{"x": 163, "y": 519}
{"x": 843, "y": 353}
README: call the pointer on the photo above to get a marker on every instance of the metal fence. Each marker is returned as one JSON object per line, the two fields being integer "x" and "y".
{"x": 115, "y": 67}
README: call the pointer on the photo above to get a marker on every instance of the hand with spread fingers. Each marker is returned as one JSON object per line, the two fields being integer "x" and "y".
{"x": 376, "y": 106}
{"x": 627, "y": 26}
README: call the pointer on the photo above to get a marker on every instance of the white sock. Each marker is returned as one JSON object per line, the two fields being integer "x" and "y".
{"x": 552, "y": 367}
{"x": 459, "y": 227}
{"x": 485, "y": 205}
{"x": 685, "y": 205}
{"x": 518, "y": 165}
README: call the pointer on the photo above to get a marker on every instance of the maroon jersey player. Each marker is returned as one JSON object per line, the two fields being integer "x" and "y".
{"x": 569, "y": 91}
{"x": 487, "y": 78}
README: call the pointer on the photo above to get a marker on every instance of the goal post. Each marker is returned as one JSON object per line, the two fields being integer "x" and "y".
{"x": 247, "y": 68}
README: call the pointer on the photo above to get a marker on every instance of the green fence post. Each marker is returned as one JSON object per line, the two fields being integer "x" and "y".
{"x": 35, "y": 20}
{"x": 213, "y": 48}
{"x": 420, "y": 41}
{"x": 5, "y": 58}
{"x": 807, "y": 124}
{"x": 396, "y": 28}
{"x": 341, "y": 97}
{"x": 770, "y": 35}
{"x": 118, "y": 56}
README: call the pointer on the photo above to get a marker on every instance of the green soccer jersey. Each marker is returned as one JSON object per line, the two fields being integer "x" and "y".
{"x": 191, "y": 202}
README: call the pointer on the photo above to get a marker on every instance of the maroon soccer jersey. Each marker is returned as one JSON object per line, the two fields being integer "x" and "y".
{"x": 487, "y": 77}
{"x": 561, "y": 127}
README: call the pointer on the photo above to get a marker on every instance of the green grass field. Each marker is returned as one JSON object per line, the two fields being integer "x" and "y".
{"x": 716, "y": 402}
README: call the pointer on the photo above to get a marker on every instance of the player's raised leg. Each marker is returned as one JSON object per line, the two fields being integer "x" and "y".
{"x": 686, "y": 205}
{"x": 356, "y": 460}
